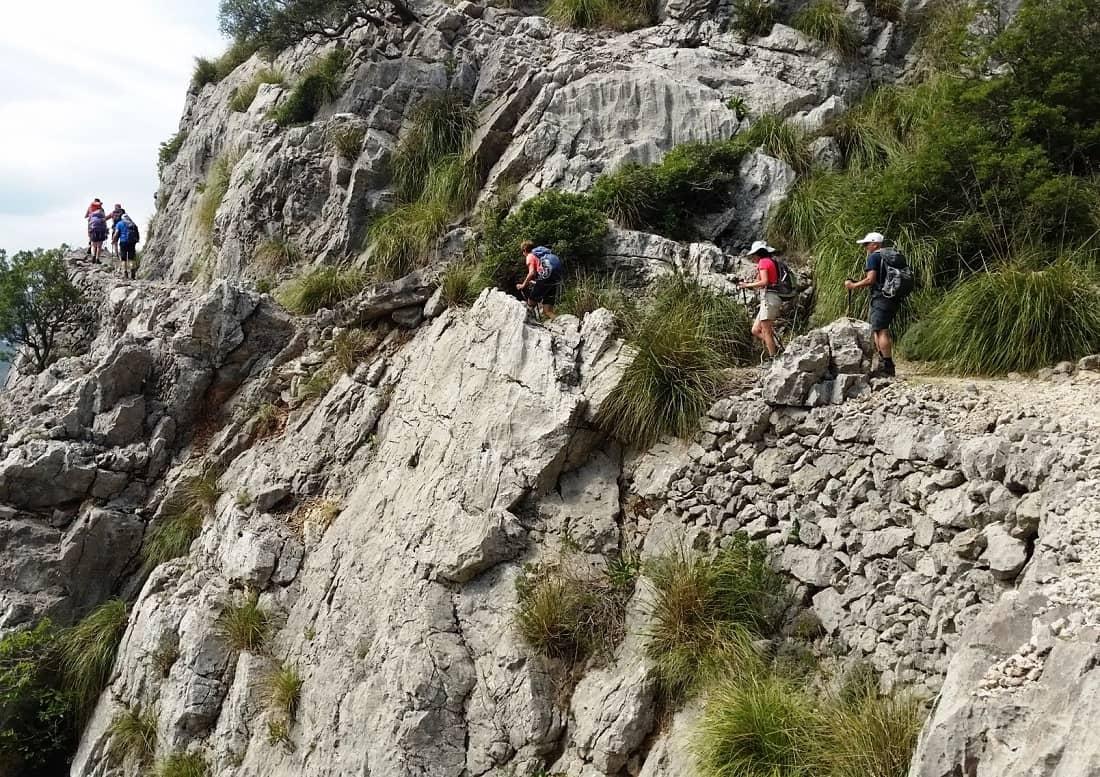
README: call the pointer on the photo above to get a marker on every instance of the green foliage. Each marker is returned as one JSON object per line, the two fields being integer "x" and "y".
{"x": 243, "y": 96}
{"x": 278, "y": 732}
{"x": 88, "y": 652}
{"x": 438, "y": 129}
{"x": 37, "y": 715}
{"x": 1013, "y": 318}
{"x": 586, "y": 292}
{"x": 183, "y": 765}
{"x": 273, "y": 26}
{"x": 318, "y": 86}
{"x": 269, "y": 419}
{"x": 37, "y": 300}
{"x": 753, "y": 18}
{"x": 799, "y": 219}
{"x": 213, "y": 71}
{"x": 890, "y": 10}
{"x": 572, "y": 610}
{"x": 133, "y": 735}
{"x": 403, "y": 239}
{"x": 190, "y": 503}
{"x": 214, "y": 191}
{"x": 780, "y": 139}
{"x": 275, "y": 254}
{"x": 683, "y": 341}
{"x": 315, "y": 386}
{"x": 704, "y": 611}
{"x": 245, "y": 624}
{"x": 348, "y": 141}
{"x": 243, "y": 499}
{"x": 459, "y": 283}
{"x": 170, "y": 149}
{"x": 739, "y": 106}
{"x": 321, "y": 287}
{"x": 943, "y": 39}
{"x": 611, "y": 14}
{"x": 284, "y": 691}
{"x": 205, "y": 72}
{"x": 870, "y": 736}
{"x": 825, "y": 20}
{"x": 351, "y": 347}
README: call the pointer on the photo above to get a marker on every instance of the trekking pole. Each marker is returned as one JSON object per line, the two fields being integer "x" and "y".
{"x": 848, "y": 309}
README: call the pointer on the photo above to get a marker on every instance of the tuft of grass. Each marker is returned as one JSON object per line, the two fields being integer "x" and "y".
{"x": 284, "y": 691}
{"x": 316, "y": 386}
{"x": 243, "y": 96}
{"x": 318, "y": 86}
{"x": 611, "y": 14}
{"x": 270, "y": 419}
{"x": 403, "y": 239}
{"x": 243, "y": 499}
{"x": 278, "y": 732}
{"x": 452, "y": 183}
{"x": 214, "y": 191}
{"x": 459, "y": 283}
{"x": 169, "y": 150}
{"x": 806, "y": 211}
{"x": 88, "y": 652}
{"x": 171, "y": 538}
{"x": 245, "y": 624}
{"x": 586, "y": 292}
{"x": 205, "y": 72}
{"x": 870, "y": 735}
{"x": 133, "y": 735}
{"x": 322, "y": 287}
{"x": 890, "y": 10}
{"x": 275, "y": 254}
{"x": 348, "y": 141}
{"x": 753, "y": 18}
{"x": 200, "y": 492}
{"x": 1012, "y": 319}
{"x": 739, "y": 105}
{"x": 351, "y": 347}
{"x": 825, "y": 20}
{"x": 780, "y": 139}
{"x": 757, "y": 725}
{"x": 439, "y": 127}
{"x": 183, "y": 765}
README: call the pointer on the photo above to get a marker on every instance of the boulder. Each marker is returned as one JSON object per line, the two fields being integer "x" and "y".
{"x": 825, "y": 366}
{"x": 1005, "y": 554}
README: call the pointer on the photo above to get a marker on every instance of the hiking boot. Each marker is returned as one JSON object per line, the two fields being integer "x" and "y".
{"x": 885, "y": 369}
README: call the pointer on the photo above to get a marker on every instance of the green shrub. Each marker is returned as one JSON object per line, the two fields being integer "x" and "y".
{"x": 269, "y": 419}
{"x": 571, "y": 611}
{"x": 452, "y": 183}
{"x": 315, "y": 386}
{"x": 825, "y": 20}
{"x": 890, "y": 10}
{"x": 88, "y": 652}
{"x": 754, "y": 726}
{"x": 133, "y": 735}
{"x": 351, "y": 347}
{"x": 459, "y": 283}
{"x": 740, "y": 107}
{"x": 275, "y": 254}
{"x": 243, "y": 96}
{"x": 780, "y": 139}
{"x": 400, "y": 241}
{"x": 348, "y": 141}
{"x": 1012, "y": 319}
{"x": 278, "y": 732}
{"x": 213, "y": 71}
{"x": 171, "y": 538}
{"x": 205, "y": 72}
{"x": 37, "y": 714}
{"x": 183, "y": 765}
{"x": 245, "y": 624}
{"x": 284, "y": 691}
{"x": 214, "y": 191}
{"x": 586, "y": 292}
{"x": 870, "y": 735}
{"x": 318, "y": 86}
{"x": 806, "y": 211}
{"x": 170, "y": 149}
{"x": 439, "y": 128}
{"x": 705, "y": 611}
{"x": 753, "y": 18}
{"x": 612, "y": 14}
{"x": 322, "y": 287}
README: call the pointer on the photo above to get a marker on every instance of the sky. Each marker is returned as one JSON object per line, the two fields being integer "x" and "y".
{"x": 89, "y": 93}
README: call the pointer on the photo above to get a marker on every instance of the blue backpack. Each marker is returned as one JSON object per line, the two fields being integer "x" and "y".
{"x": 549, "y": 262}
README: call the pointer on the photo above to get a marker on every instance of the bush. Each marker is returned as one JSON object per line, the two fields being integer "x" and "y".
{"x": 133, "y": 735}
{"x": 183, "y": 765}
{"x": 351, "y": 347}
{"x": 459, "y": 283}
{"x": 613, "y": 14}
{"x": 753, "y": 18}
{"x": 37, "y": 715}
{"x": 275, "y": 254}
{"x": 571, "y": 611}
{"x": 780, "y": 139}
{"x": 740, "y": 107}
{"x": 322, "y": 287}
{"x": 243, "y": 96}
{"x": 825, "y": 20}
{"x": 870, "y": 735}
{"x": 400, "y": 241}
{"x": 214, "y": 191}
{"x": 806, "y": 211}
{"x": 586, "y": 292}
{"x": 169, "y": 150}
{"x": 705, "y": 610}
{"x": 318, "y": 86}
{"x": 284, "y": 691}
{"x": 348, "y": 141}
{"x": 1012, "y": 319}
{"x": 38, "y": 300}
{"x": 890, "y": 10}
{"x": 205, "y": 72}
{"x": 213, "y": 71}
{"x": 245, "y": 625}
{"x": 688, "y": 335}
{"x": 88, "y": 652}
{"x": 316, "y": 386}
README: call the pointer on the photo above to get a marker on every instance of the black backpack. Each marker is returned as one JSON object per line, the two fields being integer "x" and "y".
{"x": 786, "y": 285}
{"x": 896, "y": 278}
{"x": 132, "y": 232}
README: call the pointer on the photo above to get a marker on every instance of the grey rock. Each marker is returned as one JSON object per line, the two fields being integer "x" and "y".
{"x": 123, "y": 424}
{"x": 1005, "y": 554}
{"x": 810, "y": 566}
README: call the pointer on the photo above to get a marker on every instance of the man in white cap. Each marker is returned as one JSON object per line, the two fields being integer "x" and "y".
{"x": 767, "y": 278}
{"x": 883, "y": 309}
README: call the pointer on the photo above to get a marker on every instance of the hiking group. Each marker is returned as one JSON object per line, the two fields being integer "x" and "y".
{"x": 124, "y": 234}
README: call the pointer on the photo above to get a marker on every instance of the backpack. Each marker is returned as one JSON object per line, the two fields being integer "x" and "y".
{"x": 97, "y": 219}
{"x": 133, "y": 234}
{"x": 897, "y": 278}
{"x": 786, "y": 285}
{"x": 549, "y": 263}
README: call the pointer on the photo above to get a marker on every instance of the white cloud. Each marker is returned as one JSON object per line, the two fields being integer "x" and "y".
{"x": 84, "y": 108}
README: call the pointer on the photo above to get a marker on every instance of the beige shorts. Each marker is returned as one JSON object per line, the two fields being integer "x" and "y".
{"x": 770, "y": 306}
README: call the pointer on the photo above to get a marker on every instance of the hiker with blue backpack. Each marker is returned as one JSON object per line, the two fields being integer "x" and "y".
{"x": 127, "y": 234}
{"x": 890, "y": 279}
{"x": 773, "y": 281}
{"x": 542, "y": 286}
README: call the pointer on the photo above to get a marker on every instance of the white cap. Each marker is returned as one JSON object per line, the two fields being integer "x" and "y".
{"x": 760, "y": 245}
{"x": 872, "y": 237}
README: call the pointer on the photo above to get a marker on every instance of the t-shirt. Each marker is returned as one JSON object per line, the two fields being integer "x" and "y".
{"x": 874, "y": 264}
{"x": 92, "y": 209}
{"x": 771, "y": 272}
{"x": 122, "y": 229}
{"x": 533, "y": 265}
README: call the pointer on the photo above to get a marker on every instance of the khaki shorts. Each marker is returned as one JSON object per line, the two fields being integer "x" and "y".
{"x": 770, "y": 306}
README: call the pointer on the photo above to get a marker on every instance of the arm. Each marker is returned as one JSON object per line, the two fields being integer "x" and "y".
{"x": 868, "y": 280}
{"x": 530, "y": 277}
{"x": 760, "y": 282}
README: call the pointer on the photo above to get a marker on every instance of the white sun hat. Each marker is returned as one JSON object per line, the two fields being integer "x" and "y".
{"x": 760, "y": 245}
{"x": 872, "y": 237}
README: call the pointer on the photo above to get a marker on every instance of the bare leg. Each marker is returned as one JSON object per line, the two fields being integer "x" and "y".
{"x": 767, "y": 331}
{"x": 885, "y": 343}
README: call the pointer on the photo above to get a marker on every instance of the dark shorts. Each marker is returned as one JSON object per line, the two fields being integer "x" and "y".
{"x": 545, "y": 292}
{"x": 883, "y": 311}
{"x": 98, "y": 235}
{"x": 127, "y": 252}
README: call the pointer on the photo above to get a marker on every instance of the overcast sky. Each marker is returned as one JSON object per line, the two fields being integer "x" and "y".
{"x": 89, "y": 92}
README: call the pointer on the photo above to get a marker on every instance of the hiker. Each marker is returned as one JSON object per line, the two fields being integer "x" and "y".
{"x": 97, "y": 230}
{"x": 114, "y": 218}
{"x": 886, "y": 294}
{"x": 127, "y": 236}
{"x": 545, "y": 275}
{"x": 766, "y": 285}
{"x": 96, "y": 204}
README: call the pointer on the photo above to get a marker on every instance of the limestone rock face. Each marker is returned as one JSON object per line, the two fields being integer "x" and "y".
{"x": 826, "y": 366}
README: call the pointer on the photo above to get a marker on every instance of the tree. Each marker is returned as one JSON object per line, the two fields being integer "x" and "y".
{"x": 37, "y": 300}
{"x": 276, "y": 24}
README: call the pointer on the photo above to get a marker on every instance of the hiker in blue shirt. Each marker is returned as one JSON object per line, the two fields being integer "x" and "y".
{"x": 127, "y": 233}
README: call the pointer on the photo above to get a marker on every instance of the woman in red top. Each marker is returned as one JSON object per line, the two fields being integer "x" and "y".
{"x": 767, "y": 276}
